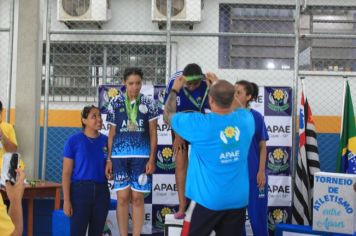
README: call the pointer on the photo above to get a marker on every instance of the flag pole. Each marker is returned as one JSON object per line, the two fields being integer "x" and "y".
{"x": 293, "y": 160}
{"x": 306, "y": 117}
{"x": 343, "y": 105}
{"x": 305, "y": 130}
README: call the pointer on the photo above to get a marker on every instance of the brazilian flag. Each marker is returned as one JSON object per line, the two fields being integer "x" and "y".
{"x": 346, "y": 158}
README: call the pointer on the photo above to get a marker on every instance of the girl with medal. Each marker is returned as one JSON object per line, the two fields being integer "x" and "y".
{"x": 131, "y": 110}
{"x": 257, "y": 207}
{"x": 132, "y": 147}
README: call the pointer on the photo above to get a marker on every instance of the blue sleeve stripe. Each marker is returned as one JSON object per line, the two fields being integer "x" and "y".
{"x": 175, "y": 75}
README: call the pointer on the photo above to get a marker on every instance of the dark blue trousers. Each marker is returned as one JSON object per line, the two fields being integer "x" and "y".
{"x": 90, "y": 203}
{"x": 257, "y": 209}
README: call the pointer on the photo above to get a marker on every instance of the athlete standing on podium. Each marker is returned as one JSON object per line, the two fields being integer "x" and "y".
{"x": 191, "y": 98}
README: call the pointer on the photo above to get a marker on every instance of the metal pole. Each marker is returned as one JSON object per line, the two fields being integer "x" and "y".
{"x": 104, "y": 32}
{"x": 295, "y": 84}
{"x": 329, "y": 36}
{"x": 168, "y": 41}
{"x": 327, "y": 73}
{"x": 343, "y": 105}
{"x": 46, "y": 95}
{"x": 105, "y": 61}
{"x": 172, "y": 33}
{"x": 11, "y": 48}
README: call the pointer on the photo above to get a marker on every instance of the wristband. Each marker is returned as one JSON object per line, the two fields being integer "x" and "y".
{"x": 108, "y": 160}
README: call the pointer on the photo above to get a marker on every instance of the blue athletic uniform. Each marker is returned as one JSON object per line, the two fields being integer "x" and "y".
{"x": 89, "y": 192}
{"x": 217, "y": 176}
{"x": 184, "y": 104}
{"x": 257, "y": 207}
{"x": 131, "y": 149}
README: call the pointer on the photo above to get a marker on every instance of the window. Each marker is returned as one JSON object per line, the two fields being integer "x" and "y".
{"x": 319, "y": 54}
{"x": 335, "y": 54}
{"x": 77, "y": 69}
{"x": 256, "y": 52}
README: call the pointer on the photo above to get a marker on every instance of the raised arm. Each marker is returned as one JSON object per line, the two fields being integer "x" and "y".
{"x": 170, "y": 107}
{"x": 211, "y": 78}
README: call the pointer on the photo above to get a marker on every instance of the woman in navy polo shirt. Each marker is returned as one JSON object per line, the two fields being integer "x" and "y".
{"x": 85, "y": 188}
{"x": 257, "y": 207}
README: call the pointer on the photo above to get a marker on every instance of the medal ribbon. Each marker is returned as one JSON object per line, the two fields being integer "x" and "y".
{"x": 131, "y": 111}
{"x": 192, "y": 100}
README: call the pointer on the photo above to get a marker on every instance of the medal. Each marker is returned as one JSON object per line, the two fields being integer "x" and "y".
{"x": 142, "y": 179}
{"x": 131, "y": 112}
{"x": 197, "y": 104}
{"x": 131, "y": 126}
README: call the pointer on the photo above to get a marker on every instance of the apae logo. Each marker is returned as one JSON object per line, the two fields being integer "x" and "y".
{"x": 163, "y": 127}
{"x": 230, "y": 134}
{"x": 163, "y": 187}
{"x": 160, "y": 98}
{"x": 147, "y": 217}
{"x": 106, "y": 96}
{"x": 230, "y": 137}
{"x": 276, "y": 129}
{"x": 112, "y": 92}
{"x": 164, "y": 190}
{"x": 279, "y": 189}
{"x": 161, "y": 214}
{"x": 278, "y": 160}
{"x": 278, "y": 100}
{"x": 259, "y": 99}
{"x": 147, "y": 220}
{"x": 166, "y": 159}
{"x": 277, "y": 216}
{"x": 105, "y": 150}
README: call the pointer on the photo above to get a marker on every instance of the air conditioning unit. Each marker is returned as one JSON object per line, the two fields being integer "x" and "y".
{"x": 83, "y": 10}
{"x": 188, "y": 11}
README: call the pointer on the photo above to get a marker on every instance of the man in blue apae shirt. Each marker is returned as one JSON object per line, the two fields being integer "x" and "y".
{"x": 217, "y": 179}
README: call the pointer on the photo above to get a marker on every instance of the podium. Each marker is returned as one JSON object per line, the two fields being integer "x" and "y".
{"x": 172, "y": 226}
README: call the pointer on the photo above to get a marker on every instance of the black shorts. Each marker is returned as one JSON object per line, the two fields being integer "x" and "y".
{"x": 200, "y": 221}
